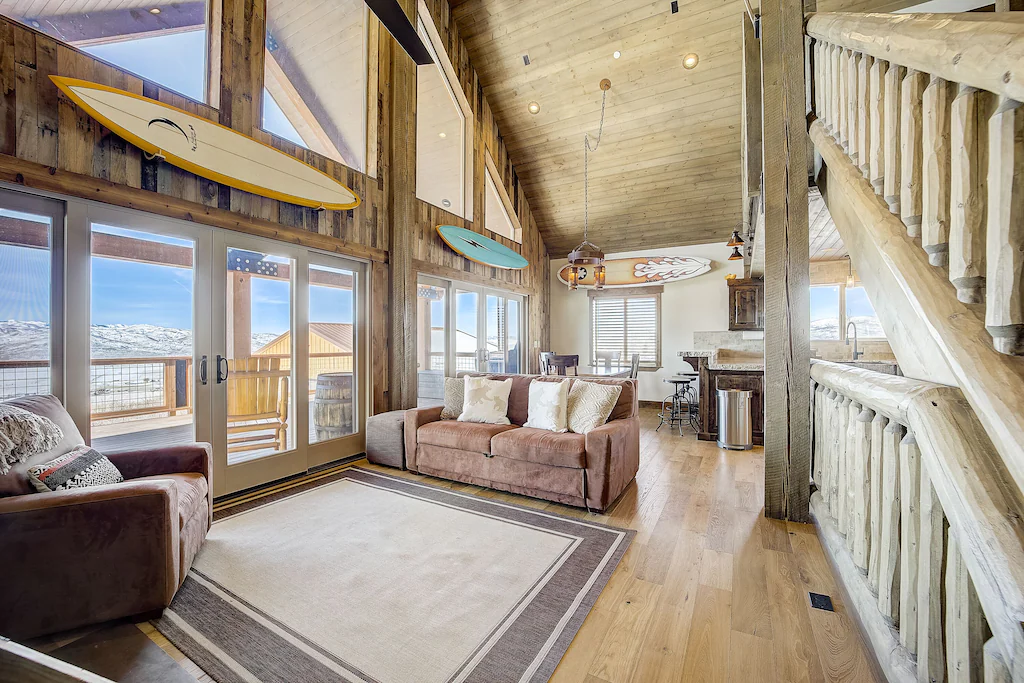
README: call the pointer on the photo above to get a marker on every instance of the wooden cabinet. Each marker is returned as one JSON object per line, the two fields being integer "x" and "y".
{"x": 746, "y": 304}
{"x": 711, "y": 381}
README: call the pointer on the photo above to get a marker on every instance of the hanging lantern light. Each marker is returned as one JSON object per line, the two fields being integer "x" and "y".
{"x": 849, "y": 276}
{"x": 735, "y": 255}
{"x": 588, "y": 253}
{"x": 736, "y": 239}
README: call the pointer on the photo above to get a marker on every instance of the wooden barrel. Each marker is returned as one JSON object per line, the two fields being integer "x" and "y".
{"x": 332, "y": 406}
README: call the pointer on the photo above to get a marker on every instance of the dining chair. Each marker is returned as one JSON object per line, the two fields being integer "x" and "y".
{"x": 606, "y": 358}
{"x": 562, "y": 364}
{"x": 634, "y": 366}
{"x": 545, "y": 359}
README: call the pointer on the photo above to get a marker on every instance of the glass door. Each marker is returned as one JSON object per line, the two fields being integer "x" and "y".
{"x": 431, "y": 341}
{"x": 469, "y": 336}
{"x": 255, "y": 368}
{"x": 337, "y": 384}
{"x": 148, "y": 331}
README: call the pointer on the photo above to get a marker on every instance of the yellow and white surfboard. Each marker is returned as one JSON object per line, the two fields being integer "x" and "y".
{"x": 206, "y": 148}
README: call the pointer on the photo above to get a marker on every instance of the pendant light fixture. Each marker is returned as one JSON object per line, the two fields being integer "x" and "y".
{"x": 849, "y": 276}
{"x": 735, "y": 255}
{"x": 588, "y": 253}
{"x": 736, "y": 240}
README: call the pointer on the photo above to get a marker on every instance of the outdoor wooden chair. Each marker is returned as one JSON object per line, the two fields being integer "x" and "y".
{"x": 257, "y": 404}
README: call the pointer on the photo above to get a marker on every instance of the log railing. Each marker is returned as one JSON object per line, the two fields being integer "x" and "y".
{"x": 923, "y": 523}
{"x": 929, "y": 108}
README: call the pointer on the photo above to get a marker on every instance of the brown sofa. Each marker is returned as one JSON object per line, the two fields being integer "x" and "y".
{"x": 583, "y": 470}
{"x": 82, "y": 556}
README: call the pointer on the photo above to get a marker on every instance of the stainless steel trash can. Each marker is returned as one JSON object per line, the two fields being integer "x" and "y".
{"x": 734, "y": 430}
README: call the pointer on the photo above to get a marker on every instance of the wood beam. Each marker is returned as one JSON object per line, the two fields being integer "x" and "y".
{"x": 750, "y": 148}
{"x": 402, "y": 206}
{"x": 787, "y": 282}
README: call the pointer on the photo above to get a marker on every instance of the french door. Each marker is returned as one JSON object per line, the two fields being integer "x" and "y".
{"x": 156, "y": 332}
{"x": 466, "y": 328}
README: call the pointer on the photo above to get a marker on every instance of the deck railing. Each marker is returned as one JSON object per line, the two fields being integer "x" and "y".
{"x": 929, "y": 108}
{"x": 923, "y": 522}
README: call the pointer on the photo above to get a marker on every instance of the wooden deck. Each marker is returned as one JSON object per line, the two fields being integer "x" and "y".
{"x": 710, "y": 590}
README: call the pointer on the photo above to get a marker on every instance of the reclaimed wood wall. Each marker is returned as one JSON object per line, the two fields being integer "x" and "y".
{"x": 48, "y": 143}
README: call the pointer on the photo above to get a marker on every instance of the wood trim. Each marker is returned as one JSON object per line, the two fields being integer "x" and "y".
{"x": 491, "y": 169}
{"x": 458, "y": 275}
{"x": 625, "y": 292}
{"x": 276, "y": 83}
{"x": 787, "y": 288}
{"x": 26, "y": 174}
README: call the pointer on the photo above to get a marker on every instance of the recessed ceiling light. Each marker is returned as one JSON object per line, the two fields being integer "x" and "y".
{"x": 533, "y": 107}
{"x": 690, "y": 61}
{"x": 155, "y": 10}
{"x": 616, "y": 54}
{"x": 446, "y": 203}
{"x": 442, "y": 135}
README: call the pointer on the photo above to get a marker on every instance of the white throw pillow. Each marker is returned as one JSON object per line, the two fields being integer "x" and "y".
{"x": 590, "y": 404}
{"x": 549, "y": 406}
{"x": 486, "y": 400}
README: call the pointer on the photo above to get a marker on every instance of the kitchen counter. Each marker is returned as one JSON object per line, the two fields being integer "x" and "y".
{"x": 724, "y": 359}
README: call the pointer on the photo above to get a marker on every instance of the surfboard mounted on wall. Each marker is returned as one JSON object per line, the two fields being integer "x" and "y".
{"x": 476, "y": 247}
{"x": 643, "y": 270}
{"x": 206, "y": 148}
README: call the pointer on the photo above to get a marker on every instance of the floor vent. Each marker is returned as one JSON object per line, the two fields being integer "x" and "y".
{"x": 822, "y": 602}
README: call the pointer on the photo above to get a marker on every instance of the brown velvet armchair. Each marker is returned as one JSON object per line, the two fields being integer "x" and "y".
{"x": 82, "y": 556}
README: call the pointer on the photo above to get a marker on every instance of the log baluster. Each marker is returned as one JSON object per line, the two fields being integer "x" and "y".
{"x": 852, "y": 78}
{"x": 935, "y": 183}
{"x": 964, "y": 622}
{"x": 889, "y": 512}
{"x": 911, "y": 151}
{"x": 878, "y": 425}
{"x": 876, "y": 132}
{"x": 968, "y": 193}
{"x": 910, "y": 538}
{"x": 1004, "y": 283}
{"x": 864, "y": 65}
{"x": 854, "y": 476}
{"x": 931, "y": 661}
{"x": 860, "y": 534}
{"x": 892, "y": 106}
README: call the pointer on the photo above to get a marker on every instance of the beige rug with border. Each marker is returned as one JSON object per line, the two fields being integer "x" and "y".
{"x": 366, "y": 577}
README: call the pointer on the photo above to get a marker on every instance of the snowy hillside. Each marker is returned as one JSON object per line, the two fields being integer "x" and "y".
{"x": 21, "y": 340}
{"x": 828, "y": 328}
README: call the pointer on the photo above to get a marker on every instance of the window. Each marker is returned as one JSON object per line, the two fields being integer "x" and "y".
{"x": 167, "y": 43}
{"x": 861, "y": 313}
{"x": 314, "y": 78}
{"x": 626, "y": 325}
{"x": 443, "y": 129}
{"x": 825, "y": 313}
{"x": 499, "y": 216}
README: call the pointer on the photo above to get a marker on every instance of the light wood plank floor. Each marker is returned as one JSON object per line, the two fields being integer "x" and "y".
{"x": 709, "y": 590}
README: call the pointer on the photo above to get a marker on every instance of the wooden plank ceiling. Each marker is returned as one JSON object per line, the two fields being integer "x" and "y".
{"x": 668, "y": 169}
{"x": 825, "y": 242}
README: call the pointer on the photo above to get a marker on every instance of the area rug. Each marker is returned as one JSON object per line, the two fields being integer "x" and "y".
{"x": 366, "y": 577}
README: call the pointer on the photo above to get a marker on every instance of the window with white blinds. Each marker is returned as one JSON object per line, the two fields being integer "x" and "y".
{"x": 627, "y": 325}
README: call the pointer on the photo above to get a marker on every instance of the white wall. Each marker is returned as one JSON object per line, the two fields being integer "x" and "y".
{"x": 697, "y": 304}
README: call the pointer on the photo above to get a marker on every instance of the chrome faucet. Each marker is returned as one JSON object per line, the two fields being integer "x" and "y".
{"x": 856, "y": 354}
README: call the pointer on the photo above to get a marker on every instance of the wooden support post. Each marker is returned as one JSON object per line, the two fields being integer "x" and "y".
{"x": 750, "y": 150}
{"x": 787, "y": 280}
{"x": 910, "y": 538}
{"x": 1004, "y": 283}
{"x": 969, "y": 149}
{"x": 402, "y": 208}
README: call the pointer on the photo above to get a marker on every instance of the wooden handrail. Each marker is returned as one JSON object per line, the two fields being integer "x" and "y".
{"x": 955, "y": 461}
{"x": 982, "y": 50}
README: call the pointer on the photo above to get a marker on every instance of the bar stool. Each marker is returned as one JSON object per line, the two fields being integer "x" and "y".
{"x": 680, "y": 407}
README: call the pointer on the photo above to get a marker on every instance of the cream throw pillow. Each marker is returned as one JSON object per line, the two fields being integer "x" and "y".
{"x": 590, "y": 404}
{"x": 454, "y": 389}
{"x": 486, "y": 400}
{"x": 549, "y": 406}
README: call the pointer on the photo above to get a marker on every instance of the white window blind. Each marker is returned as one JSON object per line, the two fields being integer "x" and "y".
{"x": 628, "y": 325}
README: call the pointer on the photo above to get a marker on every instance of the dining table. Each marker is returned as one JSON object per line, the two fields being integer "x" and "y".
{"x": 606, "y": 372}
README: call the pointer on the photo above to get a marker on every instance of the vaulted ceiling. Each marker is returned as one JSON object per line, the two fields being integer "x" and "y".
{"x": 667, "y": 171}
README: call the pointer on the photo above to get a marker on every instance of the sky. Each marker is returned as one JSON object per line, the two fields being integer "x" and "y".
{"x": 178, "y": 61}
{"x": 825, "y": 303}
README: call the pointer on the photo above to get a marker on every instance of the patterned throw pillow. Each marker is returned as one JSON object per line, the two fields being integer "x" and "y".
{"x": 454, "y": 391}
{"x": 24, "y": 434}
{"x": 80, "y": 467}
{"x": 486, "y": 400}
{"x": 549, "y": 406}
{"x": 590, "y": 404}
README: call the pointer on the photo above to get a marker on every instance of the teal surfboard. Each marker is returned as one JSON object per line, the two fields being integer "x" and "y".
{"x": 476, "y": 247}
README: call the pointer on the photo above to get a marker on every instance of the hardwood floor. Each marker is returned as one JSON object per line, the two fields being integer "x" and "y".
{"x": 709, "y": 590}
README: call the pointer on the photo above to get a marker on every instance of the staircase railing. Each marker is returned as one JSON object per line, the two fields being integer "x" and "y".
{"x": 929, "y": 108}
{"x": 923, "y": 523}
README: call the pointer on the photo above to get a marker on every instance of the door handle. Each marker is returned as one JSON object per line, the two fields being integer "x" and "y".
{"x": 222, "y": 362}
{"x": 202, "y": 370}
